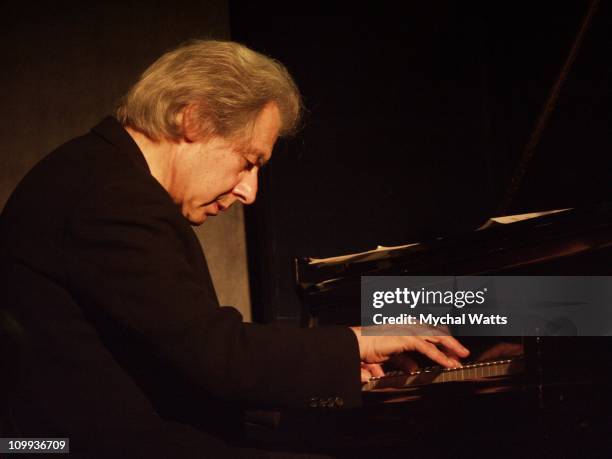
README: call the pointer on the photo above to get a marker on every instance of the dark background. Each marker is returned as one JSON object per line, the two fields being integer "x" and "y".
{"x": 67, "y": 63}
{"x": 415, "y": 124}
{"x": 415, "y": 120}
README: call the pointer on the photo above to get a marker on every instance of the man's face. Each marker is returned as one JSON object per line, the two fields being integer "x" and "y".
{"x": 208, "y": 177}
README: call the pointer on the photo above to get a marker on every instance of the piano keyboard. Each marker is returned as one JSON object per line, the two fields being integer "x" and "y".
{"x": 471, "y": 372}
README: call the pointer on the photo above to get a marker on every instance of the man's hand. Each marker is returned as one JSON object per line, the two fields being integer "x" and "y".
{"x": 374, "y": 350}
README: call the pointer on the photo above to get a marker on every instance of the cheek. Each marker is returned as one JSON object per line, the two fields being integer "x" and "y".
{"x": 226, "y": 180}
{"x": 205, "y": 188}
{"x": 206, "y": 181}
{"x": 191, "y": 186}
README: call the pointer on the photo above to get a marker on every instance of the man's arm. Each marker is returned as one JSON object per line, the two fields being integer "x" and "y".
{"x": 128, "y": 260}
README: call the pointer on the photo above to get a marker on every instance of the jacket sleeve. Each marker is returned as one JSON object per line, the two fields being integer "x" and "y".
{"x": 127, "y": 259}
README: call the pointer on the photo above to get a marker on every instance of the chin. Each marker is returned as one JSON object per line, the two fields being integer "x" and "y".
{"x": 199, "y": 221}
{"x": 197, "y": 218}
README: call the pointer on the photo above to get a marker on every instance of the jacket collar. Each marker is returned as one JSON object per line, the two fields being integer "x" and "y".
{"x": 113, "y": 132}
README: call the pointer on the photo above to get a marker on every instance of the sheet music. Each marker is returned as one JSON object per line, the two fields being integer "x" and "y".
{"x": 520, "y": 217}
{"x": 383, "y": 251}
{"x": 373, "y": 254}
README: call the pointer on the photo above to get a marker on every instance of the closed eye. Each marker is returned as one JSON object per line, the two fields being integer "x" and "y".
{"x": 253, "y": 159}
{"x": 249, "y": 165}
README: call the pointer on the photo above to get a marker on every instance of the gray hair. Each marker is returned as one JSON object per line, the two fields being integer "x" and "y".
{"x": 227, "y": 83}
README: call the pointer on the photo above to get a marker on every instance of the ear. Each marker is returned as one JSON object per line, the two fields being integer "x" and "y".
{"x": 189, "y": 122}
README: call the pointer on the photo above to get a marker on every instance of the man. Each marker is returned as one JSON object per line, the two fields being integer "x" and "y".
{"x": 124, "y": 347}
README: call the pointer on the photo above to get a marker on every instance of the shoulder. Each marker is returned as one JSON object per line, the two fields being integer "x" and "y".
{"x": 88, "y": 172}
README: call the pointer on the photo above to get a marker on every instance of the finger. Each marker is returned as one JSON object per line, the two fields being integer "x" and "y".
{"x": 490, "y": 354}
{"x": 455, "y": 359}
{"x": 375, "y": 369}
{"x": 450, "y": 353}
{"x": 435, "y": 354}
{"x": 487, "y": 355}
{"x": 404, "y": 362}
{"x": 452, "y": 357}
{"x": 365, "y": 375}
{"x": 501, "y": 350}
{"x": 450, "y": 343}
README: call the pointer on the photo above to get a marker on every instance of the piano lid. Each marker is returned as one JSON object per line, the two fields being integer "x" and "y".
{"x": 509, "y": 242}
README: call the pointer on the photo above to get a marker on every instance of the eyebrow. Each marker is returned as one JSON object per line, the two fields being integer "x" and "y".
{"x": 261, "y": 162}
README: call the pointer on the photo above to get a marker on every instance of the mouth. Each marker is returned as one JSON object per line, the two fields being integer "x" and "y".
{"x": 220, "y": 206}
{"x": 215, "y": 208}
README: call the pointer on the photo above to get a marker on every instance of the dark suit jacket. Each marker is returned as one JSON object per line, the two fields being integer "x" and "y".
{"x": 124, "y": 345}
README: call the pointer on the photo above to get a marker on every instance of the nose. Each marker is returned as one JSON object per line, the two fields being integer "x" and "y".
{"x": 246, "y": 189}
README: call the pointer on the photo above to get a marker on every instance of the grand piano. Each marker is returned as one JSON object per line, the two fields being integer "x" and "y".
{"x": 514, "y": 396}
